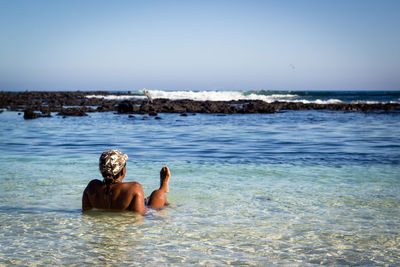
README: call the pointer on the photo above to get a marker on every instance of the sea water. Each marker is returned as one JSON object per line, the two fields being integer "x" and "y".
{"x": 291, "y": 188}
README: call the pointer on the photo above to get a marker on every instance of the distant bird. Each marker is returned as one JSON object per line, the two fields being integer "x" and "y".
{"x": 147, "y": 93}
{"x": 292, "y": 66}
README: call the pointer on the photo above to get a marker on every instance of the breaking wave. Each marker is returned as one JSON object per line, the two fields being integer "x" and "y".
{"x": 333, "y": 97}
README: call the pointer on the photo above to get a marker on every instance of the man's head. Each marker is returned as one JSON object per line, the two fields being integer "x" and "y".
{"x": 111, "y": 163}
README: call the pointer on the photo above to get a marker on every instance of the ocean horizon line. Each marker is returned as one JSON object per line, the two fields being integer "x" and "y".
{"x": 111, "y": 90}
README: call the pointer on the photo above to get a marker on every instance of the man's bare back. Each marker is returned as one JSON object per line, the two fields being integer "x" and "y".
{"x": 121, "y": 196}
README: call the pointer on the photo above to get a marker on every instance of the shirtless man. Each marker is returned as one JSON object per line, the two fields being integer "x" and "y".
{"x": 157, "y": 199}
{"x": 112, "y": 193}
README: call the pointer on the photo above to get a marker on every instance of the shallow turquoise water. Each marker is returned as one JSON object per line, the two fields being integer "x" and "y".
{"x": 296, "y": 188}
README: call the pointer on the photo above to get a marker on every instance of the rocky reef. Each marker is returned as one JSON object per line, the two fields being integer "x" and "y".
{"x": 41, "y": 104}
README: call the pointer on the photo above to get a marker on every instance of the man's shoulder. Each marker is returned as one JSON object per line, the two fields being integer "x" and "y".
{"x": 131, "y": 186}
{"x": 94, "y": 183}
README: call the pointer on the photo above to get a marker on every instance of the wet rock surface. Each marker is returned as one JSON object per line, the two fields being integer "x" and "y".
{"x": 241, "y": 106}
{"x": 41, "y": 104}
{"x": 74, "y": 112}
{"x": 31, "y": 114}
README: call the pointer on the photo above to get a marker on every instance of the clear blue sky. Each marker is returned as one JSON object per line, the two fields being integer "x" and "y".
{"x": 200, "y": 45}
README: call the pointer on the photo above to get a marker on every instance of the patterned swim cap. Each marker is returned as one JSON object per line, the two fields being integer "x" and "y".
{"x": 112, "y": 162}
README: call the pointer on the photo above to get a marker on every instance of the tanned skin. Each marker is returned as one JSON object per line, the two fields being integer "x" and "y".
{"x": 122, "y": 196}
{"x": 157, "y": 199}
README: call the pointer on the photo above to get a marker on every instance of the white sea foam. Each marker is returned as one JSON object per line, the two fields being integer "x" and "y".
{"x": 216, "y": 96}
{"x": 201, "y": 96}
{"x": 266, "y": 96}
{"x": 329, "y": 101}
{"x": 117, "y": 97}
{"x": 368, "y": 102}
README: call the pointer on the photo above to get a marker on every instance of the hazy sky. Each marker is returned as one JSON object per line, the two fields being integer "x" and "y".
{"x": 200, "y": 45}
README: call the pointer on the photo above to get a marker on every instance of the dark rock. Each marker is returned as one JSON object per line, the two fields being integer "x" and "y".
{"x": 72, "y": 112}
{"x": 157, "y": 118}
{"x": 144, "y": 108}
{"x": 30, "y": 114}
{"x": 184, "y": 114}
{"x": 128, "y": 107}
{"x": 106, "y": 107}
{"x": 131, "y": 116}
{"x": 153, "y": 113}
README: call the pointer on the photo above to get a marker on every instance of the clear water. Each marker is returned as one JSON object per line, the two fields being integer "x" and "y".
{"x": 297, "y": 188}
